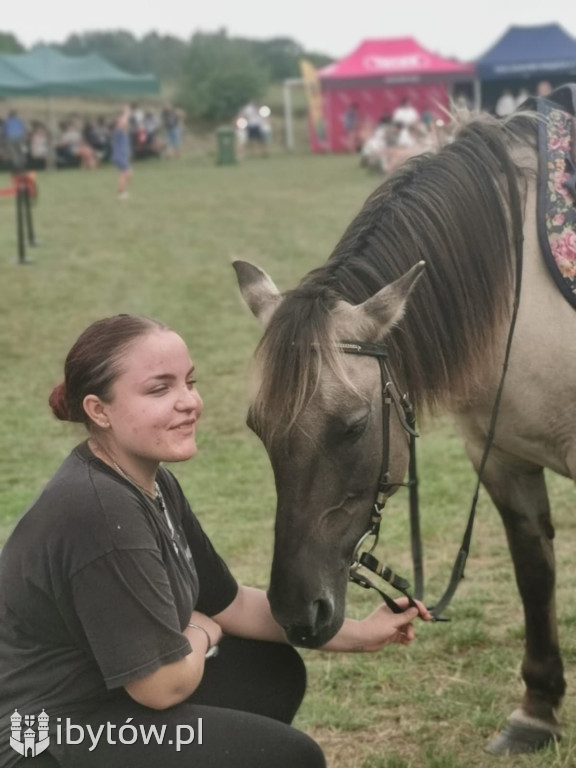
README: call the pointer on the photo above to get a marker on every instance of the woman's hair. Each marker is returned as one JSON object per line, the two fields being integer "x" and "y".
{"x": 94, "y": 363}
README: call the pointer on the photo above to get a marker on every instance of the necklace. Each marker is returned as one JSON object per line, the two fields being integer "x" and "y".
{"x": 179, "y": 543}
{"x": 131, "y": 480}
{"x": 125, "y": 474}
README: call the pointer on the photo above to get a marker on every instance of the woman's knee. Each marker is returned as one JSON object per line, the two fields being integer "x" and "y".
{"x": 254, "y": 676}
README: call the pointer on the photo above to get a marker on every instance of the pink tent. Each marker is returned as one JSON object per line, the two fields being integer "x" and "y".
{"x": 371, "y": 82}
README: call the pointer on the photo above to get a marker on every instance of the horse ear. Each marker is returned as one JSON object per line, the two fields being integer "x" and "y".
{"x": 386, "y": 307}
{"x": 258, "y": 290}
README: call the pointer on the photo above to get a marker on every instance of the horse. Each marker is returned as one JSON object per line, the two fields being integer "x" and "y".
{"x": 430, "y": 267}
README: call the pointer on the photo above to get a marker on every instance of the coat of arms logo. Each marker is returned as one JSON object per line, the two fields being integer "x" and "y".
{"x": 24, "y": 739}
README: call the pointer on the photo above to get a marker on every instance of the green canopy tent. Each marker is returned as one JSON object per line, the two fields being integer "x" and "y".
{"x": 46, "y": 72}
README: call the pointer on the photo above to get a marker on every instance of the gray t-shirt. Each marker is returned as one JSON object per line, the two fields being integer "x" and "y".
{"x": 96, "y": 589}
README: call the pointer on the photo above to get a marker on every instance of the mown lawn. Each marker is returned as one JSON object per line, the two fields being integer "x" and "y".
{"x": 166, "y": 252}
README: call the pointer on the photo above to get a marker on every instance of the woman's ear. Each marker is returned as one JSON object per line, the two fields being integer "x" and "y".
{"x": 96, "y": 411}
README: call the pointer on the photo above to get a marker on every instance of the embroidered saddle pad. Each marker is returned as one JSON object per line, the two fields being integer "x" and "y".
{"x": 556, "y": 208}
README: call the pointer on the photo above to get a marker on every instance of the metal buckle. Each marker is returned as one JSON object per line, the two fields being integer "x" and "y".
{"x": 373, "y": 530}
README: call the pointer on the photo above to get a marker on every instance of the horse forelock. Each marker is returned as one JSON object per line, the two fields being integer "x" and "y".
{"x": 458, "y": 210}
{"x": 299, "y": 343}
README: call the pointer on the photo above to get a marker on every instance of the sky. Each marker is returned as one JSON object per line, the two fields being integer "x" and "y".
{"x": 448, "y": 27}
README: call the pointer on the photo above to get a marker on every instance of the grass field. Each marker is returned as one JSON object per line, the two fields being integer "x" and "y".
{"x": 166, "y": 252}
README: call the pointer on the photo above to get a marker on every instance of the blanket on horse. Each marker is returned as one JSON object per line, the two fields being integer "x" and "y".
{"x": 557, "y": 186}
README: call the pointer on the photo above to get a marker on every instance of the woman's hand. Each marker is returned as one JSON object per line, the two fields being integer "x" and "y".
{"x": 213, "y": 629}
{"x": 384, "y": 627}
{"x": 381, "y": 628}
{"x": 171, "y": 683}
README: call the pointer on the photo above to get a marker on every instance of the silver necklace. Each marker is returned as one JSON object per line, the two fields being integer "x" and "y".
{"x": 122, "y": 472}
{"x": 181, "y": 548}
{"x": 131, "y": 480}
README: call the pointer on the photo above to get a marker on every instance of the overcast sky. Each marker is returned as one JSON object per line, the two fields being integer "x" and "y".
{"x": 449, "y": 27}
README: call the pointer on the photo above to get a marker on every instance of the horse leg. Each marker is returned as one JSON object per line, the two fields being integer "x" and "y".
{"x": 521, "y": 498}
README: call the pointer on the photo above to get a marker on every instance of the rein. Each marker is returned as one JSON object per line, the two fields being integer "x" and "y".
{"x": 391, "y": 397}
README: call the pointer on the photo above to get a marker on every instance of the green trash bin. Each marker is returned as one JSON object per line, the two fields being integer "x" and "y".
{"x": 226, "y": 138}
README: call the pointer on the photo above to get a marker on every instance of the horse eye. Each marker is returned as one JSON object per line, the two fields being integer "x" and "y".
{"x": 355, "y": 429}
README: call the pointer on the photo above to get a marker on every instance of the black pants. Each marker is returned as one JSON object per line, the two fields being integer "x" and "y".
{"x": 242, "y": 710}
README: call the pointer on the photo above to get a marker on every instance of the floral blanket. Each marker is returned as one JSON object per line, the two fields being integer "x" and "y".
{"x": 557, "y": 194}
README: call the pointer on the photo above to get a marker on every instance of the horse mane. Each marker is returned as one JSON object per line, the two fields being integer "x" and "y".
{"x": 460, "y": 211}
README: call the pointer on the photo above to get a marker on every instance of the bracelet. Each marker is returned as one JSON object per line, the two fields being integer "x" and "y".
{"x": 211, "y": 650}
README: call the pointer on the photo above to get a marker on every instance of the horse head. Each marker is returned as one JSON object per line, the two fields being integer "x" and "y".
{"x": 319, "y": 414}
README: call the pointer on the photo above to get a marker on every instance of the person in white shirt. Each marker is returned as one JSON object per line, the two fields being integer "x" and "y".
{"x": 506, "y": 104}
{"x": 406, "y": 117}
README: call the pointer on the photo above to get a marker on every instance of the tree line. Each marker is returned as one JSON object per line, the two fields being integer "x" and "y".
{"x": 213, "y": 73}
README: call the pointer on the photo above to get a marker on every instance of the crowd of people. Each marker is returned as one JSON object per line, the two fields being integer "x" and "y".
{"x": 407, "y": 132}
{"x": 510, "y": 101}
{"x": 88, "y": 142}
{"x": 396, "y": 137}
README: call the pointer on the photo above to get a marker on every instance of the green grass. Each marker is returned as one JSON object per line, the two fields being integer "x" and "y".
{"x": 166, "y": 252}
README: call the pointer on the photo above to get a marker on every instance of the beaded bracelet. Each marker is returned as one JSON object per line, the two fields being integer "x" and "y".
{"x": 211, "y": 650}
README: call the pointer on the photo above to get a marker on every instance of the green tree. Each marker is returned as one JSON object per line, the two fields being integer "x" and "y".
{"x": 220, "y": 75}
{"x": 10, "y": 44}
{"x": 163, "y": 55}
{"x": 117, "y": 46}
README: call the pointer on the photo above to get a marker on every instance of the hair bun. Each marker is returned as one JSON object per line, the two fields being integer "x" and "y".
{"x": 58, "y": 402}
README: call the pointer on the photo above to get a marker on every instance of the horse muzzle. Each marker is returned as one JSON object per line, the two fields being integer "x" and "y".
{"x": 311, "y": 625}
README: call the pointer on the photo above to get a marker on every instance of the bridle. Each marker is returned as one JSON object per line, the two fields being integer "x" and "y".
{"x": 391, "y": 397}
{"x": 366, "y": 561}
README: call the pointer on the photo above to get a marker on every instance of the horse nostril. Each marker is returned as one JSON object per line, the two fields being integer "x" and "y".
{"x": 324, "y": 610}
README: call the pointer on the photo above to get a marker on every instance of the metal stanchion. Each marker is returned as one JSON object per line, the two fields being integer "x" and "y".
{"x": 29, "y": 219}
{"x": 24, "y": 220}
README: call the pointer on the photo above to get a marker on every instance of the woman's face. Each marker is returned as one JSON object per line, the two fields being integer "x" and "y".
{"x": 154, "y": 404}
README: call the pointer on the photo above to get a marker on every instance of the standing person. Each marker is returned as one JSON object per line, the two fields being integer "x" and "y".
{"x": 113, "y": 600}
{"x": 506, "y": 104}
{"x": 544, "y": 88}
{"x": 172, "y": 122}
{"x": 121, "y": 151}
{"x": 254, "y": 127}
{"x": 15, "y": 137}
{"x": 351, "y": 126}
{"x": 406, "y": 117}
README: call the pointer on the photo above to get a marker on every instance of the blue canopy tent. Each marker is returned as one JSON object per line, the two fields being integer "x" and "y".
{"x": 524, "y": 56}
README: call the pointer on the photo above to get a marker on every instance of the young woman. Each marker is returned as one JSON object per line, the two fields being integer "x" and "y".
{"x": 113, "y": 601}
